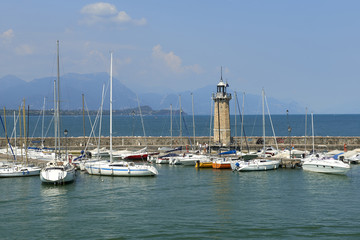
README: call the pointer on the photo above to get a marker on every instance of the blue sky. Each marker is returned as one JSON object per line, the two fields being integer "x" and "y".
{"x": 306, "y": 51}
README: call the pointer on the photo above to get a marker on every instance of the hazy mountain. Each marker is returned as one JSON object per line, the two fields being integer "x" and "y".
{"x": 73, "y": 85}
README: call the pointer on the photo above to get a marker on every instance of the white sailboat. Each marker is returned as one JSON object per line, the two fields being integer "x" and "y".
{"x": 262, "y": 164}
{"x": 121, "y": 168}
{"x": 17, "y": 170}
{"x": 58, "y": 171}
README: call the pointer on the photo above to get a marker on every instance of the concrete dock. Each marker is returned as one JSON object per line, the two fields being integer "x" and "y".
{"x": 253, "y": 143}
{"x": 153, "y": 143}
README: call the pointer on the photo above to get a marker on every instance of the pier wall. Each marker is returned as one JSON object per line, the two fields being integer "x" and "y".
{"x": 254, "y": 143}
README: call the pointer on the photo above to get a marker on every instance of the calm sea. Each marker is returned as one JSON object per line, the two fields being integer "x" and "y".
{"x": 185, "y": 203}
{"x": 324, "y": 125}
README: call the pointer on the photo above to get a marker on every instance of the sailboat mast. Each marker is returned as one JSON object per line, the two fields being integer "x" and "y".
{"x": 58, "y": 96}
{"x": 242, "y": 120}
{"x": 6, "y": 136}
{"x": 25, "y": 135}
{"x": 42, "y": 125}
{"x": 171, "y": 127}
{"x": 15, "y": 133}
{"x": 142, "y": 120}
{"x": 180, "y": 116}
{"x": 313, "y": 137}
{"x": 235, "y": 120}
{"x": 100, "y": 122}
{"x": 21, "y": 139}
{"x": 192, "y": 101}
{"x": 263, "y": 119}
{"x": 83, "y": 111}
{"x": 305, "y": 127}
{"x": 111, "y": 62}
{"x": 55, "y": 120}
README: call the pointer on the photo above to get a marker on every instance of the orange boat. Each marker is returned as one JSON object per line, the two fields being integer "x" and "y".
{"x": 222, "y": 163}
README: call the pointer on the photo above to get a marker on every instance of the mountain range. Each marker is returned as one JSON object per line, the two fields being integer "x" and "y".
{"x": 72, "y": 85}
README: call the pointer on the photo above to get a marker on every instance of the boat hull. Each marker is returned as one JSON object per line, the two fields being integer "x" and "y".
{"x": 255, "y": 165}
{"x": 120, "y": 171}
{"x": 200, "y": 164}
{"x": 162, "y": 161}
{"x": 57, "y": 175}
{"x": 323, "y": 167}
{"x": 23, "y": 172}
{"x": 221, "y": 165}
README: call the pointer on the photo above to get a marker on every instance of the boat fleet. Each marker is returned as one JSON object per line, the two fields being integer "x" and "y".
{"x": 60, "y": 168}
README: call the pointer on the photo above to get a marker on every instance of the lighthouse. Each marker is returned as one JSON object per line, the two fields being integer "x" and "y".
{"x": 222, "y": 131}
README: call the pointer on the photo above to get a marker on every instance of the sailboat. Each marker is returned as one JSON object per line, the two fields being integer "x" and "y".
{"x": 262, "y": 164}
{"x": 119, "y": 168}
{"x": 58, "y": 171}
{"x": 17, "y": 170}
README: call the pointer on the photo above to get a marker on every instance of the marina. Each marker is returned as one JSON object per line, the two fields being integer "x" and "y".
{"x": 179, "y": 120}
{"x": 184, "y": 202}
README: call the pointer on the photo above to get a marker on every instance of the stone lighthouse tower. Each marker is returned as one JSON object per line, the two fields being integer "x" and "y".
{"x": 222, "y": 131}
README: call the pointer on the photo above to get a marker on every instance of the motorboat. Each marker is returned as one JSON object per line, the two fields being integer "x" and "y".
{"x": 352, "y": 157}
{"x": 255, "y": 165}
{"x": 19, "y": 170}
{"x": 187, "y": 159}
{"x": 222, "y": 163}
{"x": 325, "y": 165}
{"x": 164, "y": 159}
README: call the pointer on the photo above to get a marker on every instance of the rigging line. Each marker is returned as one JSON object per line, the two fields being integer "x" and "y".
{"x": 243, "y": 128}
{"x": 142, "y": 120}
{"x": 52, "y": 119}
{"x": 176, "y": 124}
{"x": 14, "y": 128}
{"x": 187, "y": 131}
{"x": 271, "y": 123}
{"x": 7, "y": 138}
{"x": 93, "y": 126}
{"x": 211, "y": 118}
{"x": 92, "y": 132}
{"x": 256, "y": 116}
{"x": 37, "y": 122}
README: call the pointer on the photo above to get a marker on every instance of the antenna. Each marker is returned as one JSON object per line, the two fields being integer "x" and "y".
{"x": 221, "y": 75}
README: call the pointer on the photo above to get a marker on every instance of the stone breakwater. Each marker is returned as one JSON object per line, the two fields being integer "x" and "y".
{"x": 254, "y": 143}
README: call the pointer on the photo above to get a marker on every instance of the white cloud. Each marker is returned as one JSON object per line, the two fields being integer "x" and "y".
{"x": 24, "y": 50}
{"x": 106, "y": 13}
{"x": 99, "y": 9}
{"x": 7, "y": 36}
{"x": 173, "y": 62}
{"x": 140, "y": 22}
{"x": 122, "y": 17}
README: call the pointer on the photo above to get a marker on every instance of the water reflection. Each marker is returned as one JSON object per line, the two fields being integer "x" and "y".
{"x": 223, "y": 193}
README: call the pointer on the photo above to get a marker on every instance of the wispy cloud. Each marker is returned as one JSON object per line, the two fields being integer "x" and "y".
{"x": 7, "y": 36}
{"x": 173, "y": 62}
{"x": 24, "y": 49}
{"x": 102, "y": 12}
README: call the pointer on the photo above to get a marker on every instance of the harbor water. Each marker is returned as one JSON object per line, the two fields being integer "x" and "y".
{"x": 185, "y": 203}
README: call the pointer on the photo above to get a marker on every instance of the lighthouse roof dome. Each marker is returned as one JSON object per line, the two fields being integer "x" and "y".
{"x": 221, "y": 83}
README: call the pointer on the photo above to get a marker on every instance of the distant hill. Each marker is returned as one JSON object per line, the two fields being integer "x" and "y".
{"x": 13, "y": 90}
